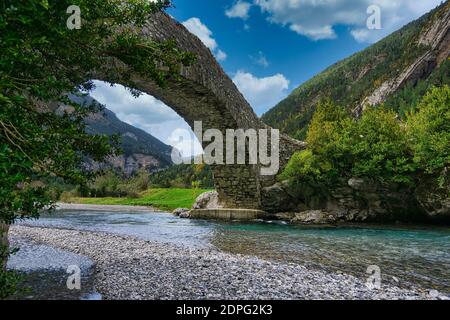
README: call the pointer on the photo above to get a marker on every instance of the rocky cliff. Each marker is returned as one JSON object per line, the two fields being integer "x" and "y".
{"x": 412, "y": 54}
{"x": 359, "y": 200}
{"x": 141, "y": 151}
{"x": 435, "y": 37}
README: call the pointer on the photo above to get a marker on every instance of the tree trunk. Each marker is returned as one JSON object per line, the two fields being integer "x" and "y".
{"x": 4, "y": 244}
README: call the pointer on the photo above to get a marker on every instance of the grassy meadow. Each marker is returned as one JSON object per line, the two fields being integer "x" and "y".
{"x": 161, "y": 198}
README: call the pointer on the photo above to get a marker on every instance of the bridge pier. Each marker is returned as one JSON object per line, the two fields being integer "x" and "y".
{"x": 227, "y": 214}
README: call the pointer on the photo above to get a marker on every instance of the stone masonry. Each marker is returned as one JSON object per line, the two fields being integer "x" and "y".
{"x": 205, "y": 93}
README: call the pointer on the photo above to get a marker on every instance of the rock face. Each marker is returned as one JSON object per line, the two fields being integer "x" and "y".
{"x": 372, "y": 75}
{"x": 435, "y": 201}
{"x": 362, "y": 200}
{"x": 276, "y": 199}
{"x": 437, "y": 39}
{"x": 127, "y": 164}
{"x": 141, "y": 150}
{"x": 185, "y": 214}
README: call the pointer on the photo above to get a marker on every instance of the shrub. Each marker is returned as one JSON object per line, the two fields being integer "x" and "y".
{"x": 67, "y": 196}
{"x": 305, "y": 166}
{"x": 9, "y": 283}
{"x": 374, "y": 146}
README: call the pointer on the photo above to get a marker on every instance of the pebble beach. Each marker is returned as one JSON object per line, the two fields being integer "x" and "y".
{"x": 132, "y": 268}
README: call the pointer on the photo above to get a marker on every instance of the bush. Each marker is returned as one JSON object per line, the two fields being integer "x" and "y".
{"x": 9, "y": 283}
{"x": 67, "y": 196}
{"x": 305, "y": 166}
{"x": 375, "y": 146}
{"x": 182, "y": 176}
{"x": 111, "y": 184}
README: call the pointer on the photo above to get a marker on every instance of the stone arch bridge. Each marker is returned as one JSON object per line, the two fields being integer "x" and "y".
{"x": 205, "y": 93}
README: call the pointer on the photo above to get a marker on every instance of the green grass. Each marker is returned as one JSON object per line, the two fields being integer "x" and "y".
{"x": 161, "y": 198}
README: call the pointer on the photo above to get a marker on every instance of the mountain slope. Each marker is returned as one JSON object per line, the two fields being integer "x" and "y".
{"x": 140, "y": 149}
{"x": 417, "y": 52}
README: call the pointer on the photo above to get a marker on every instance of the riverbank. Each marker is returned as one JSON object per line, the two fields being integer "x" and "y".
{"x": 105, "y": 207}
{"x": 130, "y": 268}
{"x": 44, "y": 272}
{"x": 161, "y": 198}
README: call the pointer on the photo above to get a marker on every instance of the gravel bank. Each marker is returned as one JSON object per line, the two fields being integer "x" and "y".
{"x": 129, "y": 268}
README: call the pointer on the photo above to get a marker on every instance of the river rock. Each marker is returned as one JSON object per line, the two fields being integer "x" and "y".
{"x": 185, "y": 214}
{"x": 179, "y": 211}
{"x": 314, "y": 217}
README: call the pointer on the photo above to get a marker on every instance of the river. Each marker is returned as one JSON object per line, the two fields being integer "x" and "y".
{"x": 406, "y": 255}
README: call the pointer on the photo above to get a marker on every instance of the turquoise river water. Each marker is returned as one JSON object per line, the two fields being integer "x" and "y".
{"x": 406, "y": 255}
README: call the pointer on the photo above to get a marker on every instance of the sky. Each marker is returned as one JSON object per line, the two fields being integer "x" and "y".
{"x": 268, "y": 48}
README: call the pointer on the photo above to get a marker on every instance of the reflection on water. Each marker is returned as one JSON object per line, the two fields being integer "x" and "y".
{"x": 418, "y": 256}
{"x": 45, "y": 273}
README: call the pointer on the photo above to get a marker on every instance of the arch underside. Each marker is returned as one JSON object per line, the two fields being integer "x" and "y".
{"x": 205, "y": 93}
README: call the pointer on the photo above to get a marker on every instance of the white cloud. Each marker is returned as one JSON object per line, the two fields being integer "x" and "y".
{"x": 196, "y": 27}
{"x": 361, "y": 35}
{"x": 220, "y": 55}
{"x": 261, "y": 93}
{"x": 119, "y": 100}
{"x": 319, "y": 33}
{"x": 186, "y": 142}
{"x": 316, "y": 19}
{"x": 240, "y": 9}
{"x": 146, "y": 113}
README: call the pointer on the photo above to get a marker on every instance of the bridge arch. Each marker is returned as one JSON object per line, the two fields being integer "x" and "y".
{"x": 205, "y": 93}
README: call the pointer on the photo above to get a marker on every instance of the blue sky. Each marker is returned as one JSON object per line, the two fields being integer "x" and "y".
{"x": 268, "y": 48}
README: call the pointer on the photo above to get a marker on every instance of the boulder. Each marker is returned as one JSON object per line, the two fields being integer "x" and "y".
{"x": 179, "y": 211}
{"x": 275, "y": 198}
{"x": 435, "y": 201}
{"x": 207, "y": 200}
{"x": 185, "y": 214}
{"x": 314, "y": 217}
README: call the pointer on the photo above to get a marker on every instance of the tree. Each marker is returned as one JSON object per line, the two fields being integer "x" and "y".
{"x": 374, "y": 146}
{"x": 429, "y": 131}
{"x": 41, "y": 61}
